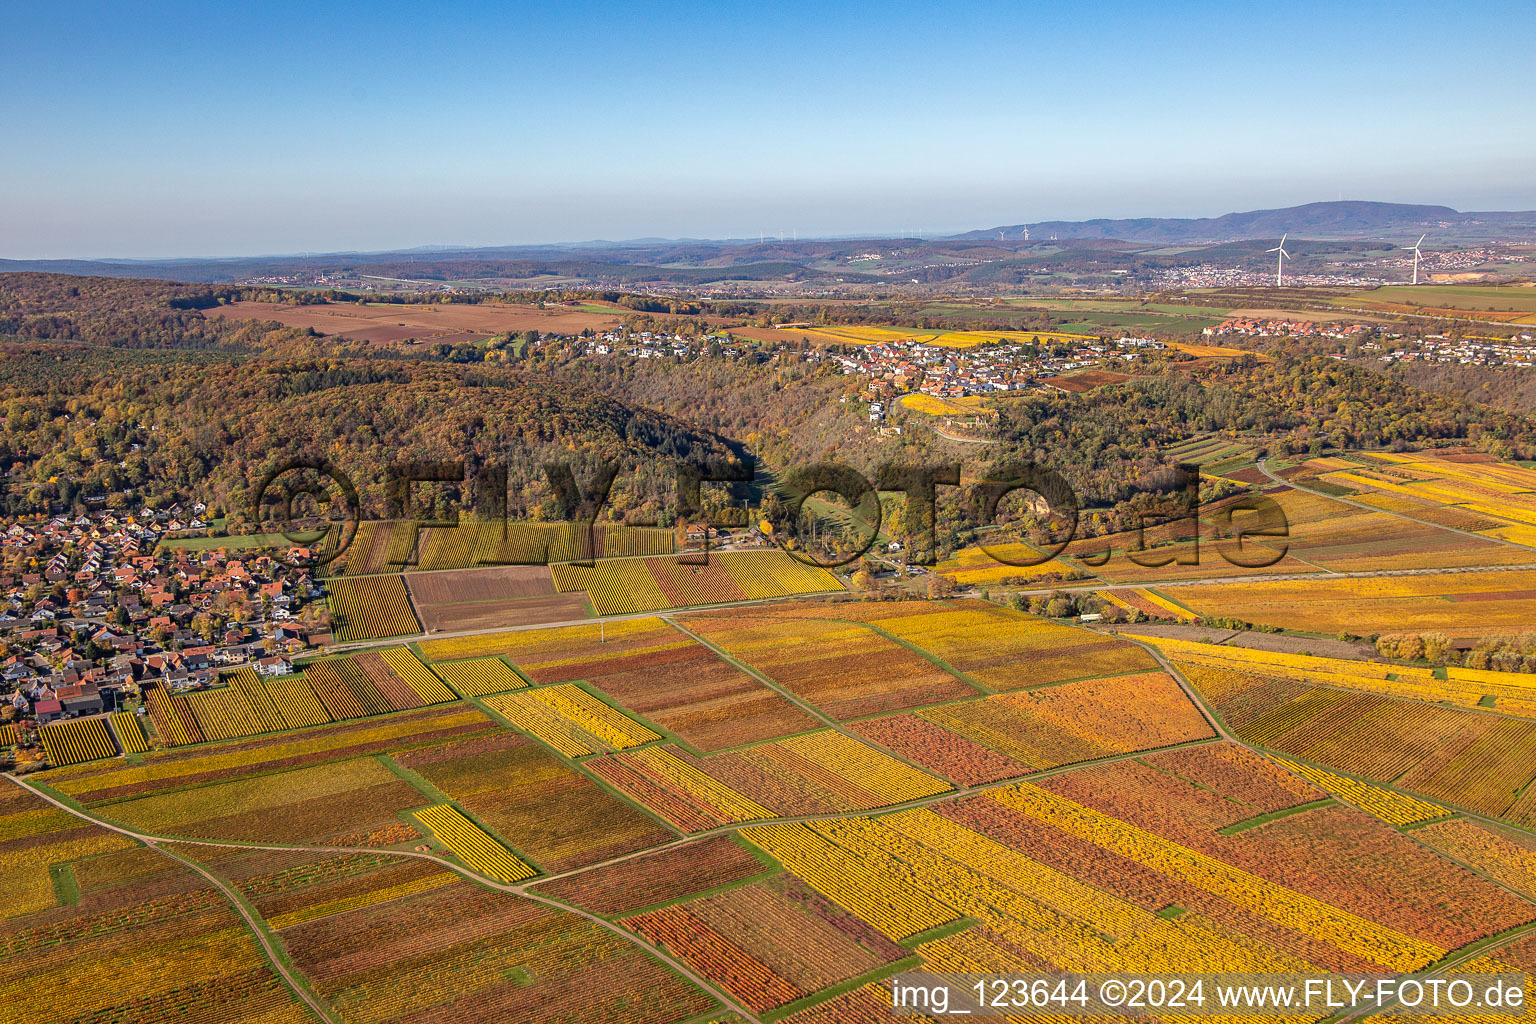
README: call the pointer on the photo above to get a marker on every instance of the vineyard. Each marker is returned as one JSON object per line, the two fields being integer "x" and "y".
{"x": 330, "y": 690}
{"x": 1467, "y": 740}
{"x": 1079, "y": 721}
{"x": 657, "y": 878}
{"x": 996, "y": 793}
{"x": 1007, "y": 650}
{"x": 650, "y": 584}
{"x": 765, "y": 944}
{"x": 71, "y": 742}
{"x": 461, "y": 951}
{"x": 817, "y": 773}
{"x": 393, "y": 546}
{"x": 370, "y": 608}
{"x": 471, "y": 845}
{"x": 140, "y": 938}
{"x": 130, "y": 735}
{"x": 570, "y": 720}
{"x": 995, "y": 563}
{"x": 649, "y": 669}
{"x": 846, "y": 669}
{"x": 1476, "y": 493}
{"x": 479, "y": 677}
{"x": 1494, "y": 603}
{"x": 553, "y": 815}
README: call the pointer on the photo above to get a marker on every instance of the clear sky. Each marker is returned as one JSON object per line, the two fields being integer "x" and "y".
{"x": 223, "y": 129}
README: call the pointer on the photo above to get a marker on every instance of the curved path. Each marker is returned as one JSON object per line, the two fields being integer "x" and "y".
{"x": 154, "y": 841}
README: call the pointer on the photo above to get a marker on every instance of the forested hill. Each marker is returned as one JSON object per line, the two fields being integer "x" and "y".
{"x": 112, "y": 385}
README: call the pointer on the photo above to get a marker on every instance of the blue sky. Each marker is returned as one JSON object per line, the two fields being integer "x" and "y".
{"x": 200, "y": 129}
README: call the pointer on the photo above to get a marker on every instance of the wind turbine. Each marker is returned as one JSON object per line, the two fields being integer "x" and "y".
{"x": 1280, "y": 260}
{"x": 1416, "y": 254}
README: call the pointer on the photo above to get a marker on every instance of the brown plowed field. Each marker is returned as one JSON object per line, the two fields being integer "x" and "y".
{"x": 450, "y": 322}
{"x": 502, "y": 583}
{"x": 510, "y": 595}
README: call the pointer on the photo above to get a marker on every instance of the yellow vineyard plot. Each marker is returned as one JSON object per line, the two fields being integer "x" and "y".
{"x": 296, "y": 702}
{"x": 417, "y": 676}
{"x": 888, "y": 779}
{"x": 71, "y": 742}
{"x": 478, "y": 677}
{"x": 1450, "y": 603}
{"x": 1391, "y": 807}
{"x": 612, "y": 727}
{"x": 473, "y": 845}
{"x": 1466, "y": 687}
{"x": 1176, "y": 610}
{"x": 1032, "y": 906}
{"x": 687, "y": 779}
{"x": 893, "y": 907}
{"x": 125, "y": 725}
{"x": 935, "y": 406}
{"x": 1292, "y": 909}
{"x": 571, "y": 720}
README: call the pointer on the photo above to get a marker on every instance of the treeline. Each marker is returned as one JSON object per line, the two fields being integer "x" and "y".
{"x": 126, "y": 313}
{"x": 1501, "y": 654}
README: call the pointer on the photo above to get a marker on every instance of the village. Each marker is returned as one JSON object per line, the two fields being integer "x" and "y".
{"x": 1259, "y": 328}
{"x": 95, "y": 606}
{"x": 903, "y": 367}
{"x": 1468, "y": 350}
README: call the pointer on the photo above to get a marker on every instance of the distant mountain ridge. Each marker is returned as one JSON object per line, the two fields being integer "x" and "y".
{"x": 1330, "y": 220}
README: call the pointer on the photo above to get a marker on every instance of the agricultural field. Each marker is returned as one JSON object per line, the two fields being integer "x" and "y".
{"x": 1511, "y": 305}
{"x": 1322, "y": 534}
{"x": 768, "y": 943}
{"x": 846, "y": 669}
{"x": 384, "y": 546}
{"x": 329, "y": 690}
{"x": 620, "y": 586}
{"x": 650, "y": 669}
{"x": 392, "y": 938}
{"x": 1448, "y": 740}
{"x": 1004, "y": 650}
{"x": 70, "y": 742}
{"x": 1461, "y": 490}
{"x": 861, "y": 335}
{"x": 969, "y": 405}
{"x": 471, "y": 599}
{"x": 549, "y": 814}
{"x": 1493, "y": 603}
{"x": 994, "y": 564}
{"x": 136, "y": 936}
{"x": 1343, "y": 537}
{"x": 570, "y": 720}
{"x": 370, "y": 608}
{"x": 884, "y": 786}
{"x": 658, "y": 878}
{"x": 478, "y": 677}
{"x": 1081, "y": 383}
{"x": 1080, "y": 721}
